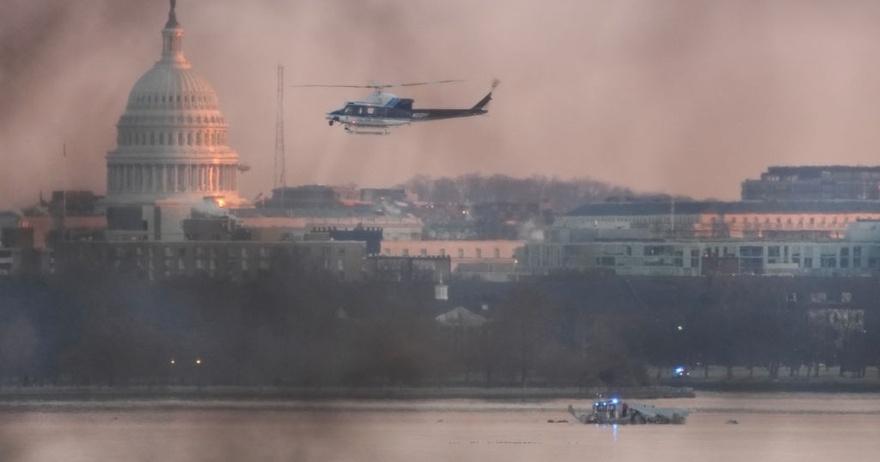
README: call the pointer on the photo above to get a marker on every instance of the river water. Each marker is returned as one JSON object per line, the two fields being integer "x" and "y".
{"x": 770, "y": 427}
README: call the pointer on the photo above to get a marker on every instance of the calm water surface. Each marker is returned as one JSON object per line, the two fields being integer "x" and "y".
{"x": 771, "y": 427}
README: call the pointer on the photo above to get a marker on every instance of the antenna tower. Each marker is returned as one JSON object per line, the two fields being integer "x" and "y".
{"x": 278, "y": 176}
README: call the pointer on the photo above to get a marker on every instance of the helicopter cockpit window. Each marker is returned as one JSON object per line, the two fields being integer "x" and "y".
{"x": 350, "y": 109}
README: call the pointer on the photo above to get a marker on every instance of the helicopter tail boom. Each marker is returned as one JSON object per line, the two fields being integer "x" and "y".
{"x": 477, "y": 109}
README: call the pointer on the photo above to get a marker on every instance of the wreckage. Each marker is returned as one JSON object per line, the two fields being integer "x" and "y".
{"x": 615, "y": 411}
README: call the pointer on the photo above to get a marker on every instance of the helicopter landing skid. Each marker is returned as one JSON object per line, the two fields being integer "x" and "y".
{"x": 366, "y": 130}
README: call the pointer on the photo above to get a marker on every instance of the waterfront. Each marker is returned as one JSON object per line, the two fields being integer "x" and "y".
{"x": 779, "y": 427}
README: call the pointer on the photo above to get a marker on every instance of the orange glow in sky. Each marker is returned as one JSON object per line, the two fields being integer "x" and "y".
{"x": 676, "y": 96}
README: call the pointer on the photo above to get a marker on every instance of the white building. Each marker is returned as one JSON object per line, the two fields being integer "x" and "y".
{"x": 858, "y": 254}
{"x": 172, "y": 153}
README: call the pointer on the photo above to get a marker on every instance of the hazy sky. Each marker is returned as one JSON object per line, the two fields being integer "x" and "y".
{"x": 685, "y": 97}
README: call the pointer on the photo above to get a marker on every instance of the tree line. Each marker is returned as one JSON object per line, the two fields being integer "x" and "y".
{"x": 92, "y": 327}
{"x": 562, "y": 195}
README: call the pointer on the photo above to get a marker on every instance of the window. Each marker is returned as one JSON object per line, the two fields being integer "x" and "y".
{"x": 773, "y": 254}
{"x": 827, "y": 257}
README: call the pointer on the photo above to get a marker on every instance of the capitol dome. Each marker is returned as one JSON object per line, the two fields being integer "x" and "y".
{"x": 172, "y": 137}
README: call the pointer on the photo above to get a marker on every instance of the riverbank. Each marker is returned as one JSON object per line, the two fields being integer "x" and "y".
{"x": 336, "y": 393}
{"x": 741, "y": 379}
{"x": 713, "y": 379}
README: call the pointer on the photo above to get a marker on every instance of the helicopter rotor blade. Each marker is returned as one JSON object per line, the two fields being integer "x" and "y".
{"x": 379, "y": 87}
{"x": 336, "y": 86}
{"x": 425, "y": 83}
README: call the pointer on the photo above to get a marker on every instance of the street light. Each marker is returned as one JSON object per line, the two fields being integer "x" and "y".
{"x": 199, "y": 373}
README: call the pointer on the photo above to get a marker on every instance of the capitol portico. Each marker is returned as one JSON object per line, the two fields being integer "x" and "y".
{"x": 172, "y": 152}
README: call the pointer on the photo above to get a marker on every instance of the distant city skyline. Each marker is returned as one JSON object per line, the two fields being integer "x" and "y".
{"x": 675, "y": 97}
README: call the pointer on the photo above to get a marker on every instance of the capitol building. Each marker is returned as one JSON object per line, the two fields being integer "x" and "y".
{"x": 172, "y": 153}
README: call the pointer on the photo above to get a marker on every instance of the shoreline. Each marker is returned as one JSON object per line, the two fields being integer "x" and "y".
{"x": 672, "y": 388}
{"x": 53, "y": 393}
{"x": 683, "y": 390}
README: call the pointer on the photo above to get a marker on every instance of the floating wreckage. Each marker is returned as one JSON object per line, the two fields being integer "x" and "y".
{"x": 615, "y": 411}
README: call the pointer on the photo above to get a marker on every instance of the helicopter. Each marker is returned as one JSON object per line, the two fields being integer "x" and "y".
{"x": 381, "y": 110}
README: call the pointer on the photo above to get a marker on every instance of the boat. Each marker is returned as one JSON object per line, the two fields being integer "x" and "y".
{"x": 615, "y": 411}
